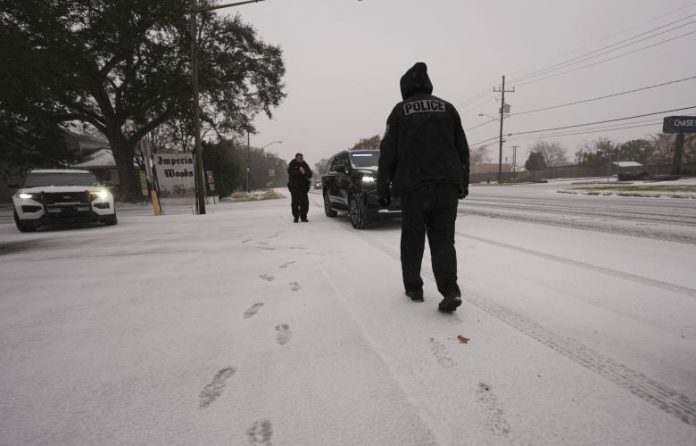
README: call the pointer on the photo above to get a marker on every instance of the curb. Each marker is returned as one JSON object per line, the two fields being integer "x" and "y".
{"x": 628, "y": 194}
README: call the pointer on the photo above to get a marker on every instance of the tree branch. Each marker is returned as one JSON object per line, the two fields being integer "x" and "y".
{"x": 138, "y": 135}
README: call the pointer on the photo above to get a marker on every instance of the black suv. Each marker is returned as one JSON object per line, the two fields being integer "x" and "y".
{"x": 351, "y": 186}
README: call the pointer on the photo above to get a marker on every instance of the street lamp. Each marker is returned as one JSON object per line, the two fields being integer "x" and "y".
{"x": 249, "y": 159}
{"x": 198, "y": 151}
{"x": 489, "y": 116}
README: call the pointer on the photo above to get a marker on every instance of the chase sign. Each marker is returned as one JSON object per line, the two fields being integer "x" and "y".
{"x": 679, "y": 124}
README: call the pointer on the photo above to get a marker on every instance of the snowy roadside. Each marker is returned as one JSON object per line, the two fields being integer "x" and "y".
{"x": 607, "y": 189}
{"x": 241, "y": 327}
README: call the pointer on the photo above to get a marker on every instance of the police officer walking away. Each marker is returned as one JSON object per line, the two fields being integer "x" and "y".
{"x": 425, "y": 157}
{"x": 299, "y": 175}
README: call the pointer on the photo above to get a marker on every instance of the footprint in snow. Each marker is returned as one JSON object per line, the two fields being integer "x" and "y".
{"x": 247, "y": 240}
{"x": 495, "y": 416}
{"x": 266, "y": 277}
{"x": 253, "y": 310}
{"x": 294, "y": 286}
{"x": 213, "y": 390}
{"x": 440, "y": 352}
{"x": 286, "y": 264}
{"x": 284, "y": 334}
{"x": 260, "y": 433}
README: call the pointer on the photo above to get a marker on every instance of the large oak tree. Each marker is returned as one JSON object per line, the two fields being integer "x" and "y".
{"x": 124, "y": 67}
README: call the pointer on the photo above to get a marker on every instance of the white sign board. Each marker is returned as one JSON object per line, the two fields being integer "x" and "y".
{"x": 175, "y": 173}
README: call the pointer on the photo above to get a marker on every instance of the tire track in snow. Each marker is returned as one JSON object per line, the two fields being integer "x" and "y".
{"x": 638, "y": 384}
{"x": 598, "y": 269}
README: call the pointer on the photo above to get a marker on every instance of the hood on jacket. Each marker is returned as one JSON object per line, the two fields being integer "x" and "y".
{"x": 416, "y": 80}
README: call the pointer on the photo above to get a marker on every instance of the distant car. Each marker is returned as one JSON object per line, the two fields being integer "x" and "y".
{"x": 351, "y": 186}
{"x": 54, "y": 196}
{"x": 317, "y": 184}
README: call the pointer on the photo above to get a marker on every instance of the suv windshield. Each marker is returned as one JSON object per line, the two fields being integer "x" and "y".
{"x": 60, "y": 179}
{"x": 364, "y": 159}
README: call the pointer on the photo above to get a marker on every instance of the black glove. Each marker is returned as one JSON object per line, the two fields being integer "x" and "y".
{"x": 383, "y": 195}
{"x": 463, "y": 192}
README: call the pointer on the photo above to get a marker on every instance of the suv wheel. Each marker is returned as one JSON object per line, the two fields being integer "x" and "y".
{"x": 358, "y": 213}
{"x": 23, "y": 226}
{"x": 327, "y": 206}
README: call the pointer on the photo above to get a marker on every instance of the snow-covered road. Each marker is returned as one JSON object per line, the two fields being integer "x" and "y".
{"x": 240, "y": 327}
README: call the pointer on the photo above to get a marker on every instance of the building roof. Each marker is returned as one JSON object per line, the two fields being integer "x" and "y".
{"x": 626, "y": 164}
{"x": 59, "y": 171}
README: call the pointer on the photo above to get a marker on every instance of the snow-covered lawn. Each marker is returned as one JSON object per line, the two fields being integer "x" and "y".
{"x": 240, "y": 327}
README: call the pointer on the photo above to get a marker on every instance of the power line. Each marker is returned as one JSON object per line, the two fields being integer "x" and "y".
{"x": 635, "y": 90}
{"x": 475, "y": 97}
{"x": 491, "y": 99}
{"x": 598, "y": 52}
{"x": 606, "y": 60}
{"x": 472, "y": 99}
{"x": 586, "y": 124}
{"x": 602, "y": 122}
{"x": 480, "y": 125}
{"x": 585, "y": 132}
{"x": 654, "y": 19}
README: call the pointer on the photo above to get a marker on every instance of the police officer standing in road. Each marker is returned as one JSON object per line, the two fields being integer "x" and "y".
{"x": 299, "y": 175}
{"x": 425, "y": 157}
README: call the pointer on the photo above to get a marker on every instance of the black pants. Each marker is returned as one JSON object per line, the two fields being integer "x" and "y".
{"x": 300, "y": 203}
{"x": 431, "y": 210}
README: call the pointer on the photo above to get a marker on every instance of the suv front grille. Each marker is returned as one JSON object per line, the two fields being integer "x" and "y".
{"x": 66, "y": 198}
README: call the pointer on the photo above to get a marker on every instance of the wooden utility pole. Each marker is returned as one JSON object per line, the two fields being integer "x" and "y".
{"x": 502, "y": 91}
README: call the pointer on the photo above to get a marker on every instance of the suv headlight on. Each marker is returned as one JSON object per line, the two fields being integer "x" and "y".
{"x": 28, "y": 196}
{"x": 101, "y": 194}
{"x": 367, "y": 179}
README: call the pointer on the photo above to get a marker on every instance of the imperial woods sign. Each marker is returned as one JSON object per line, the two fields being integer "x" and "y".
{"x": 175, "y": 174}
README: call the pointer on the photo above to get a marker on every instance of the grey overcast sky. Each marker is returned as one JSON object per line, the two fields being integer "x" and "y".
{"x": 344, "y": 59}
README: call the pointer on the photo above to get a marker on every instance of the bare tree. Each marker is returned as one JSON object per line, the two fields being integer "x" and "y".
{"x": 371, "y": 143}
{"x": 552, "y": 152}
{"x": 479, "y": 155}
{"x": 664, "y": 148}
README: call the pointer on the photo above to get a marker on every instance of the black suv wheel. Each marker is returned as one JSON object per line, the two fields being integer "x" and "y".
{"x": 358, "y": 213}
{"x": 327, "y": 206}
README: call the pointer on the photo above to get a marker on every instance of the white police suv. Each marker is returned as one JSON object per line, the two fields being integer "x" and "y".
{"x": 55, "y": 196}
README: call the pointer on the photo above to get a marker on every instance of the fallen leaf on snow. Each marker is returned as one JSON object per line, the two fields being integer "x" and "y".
{"x": 462, "y": 339}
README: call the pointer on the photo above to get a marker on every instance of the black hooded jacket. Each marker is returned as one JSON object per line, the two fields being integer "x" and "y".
{"x": 298, "y": 181}
{"x": 424, "y": 141}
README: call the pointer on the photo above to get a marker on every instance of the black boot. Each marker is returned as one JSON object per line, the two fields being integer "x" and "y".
{"x": 450, "y": 303}
{"x": 415, "y": 295}
{"x": 295, "y": 219}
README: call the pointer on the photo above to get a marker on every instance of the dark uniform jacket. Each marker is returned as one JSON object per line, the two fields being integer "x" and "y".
{"x": 297, "y": 181}
{"x": 424, "y": 141}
